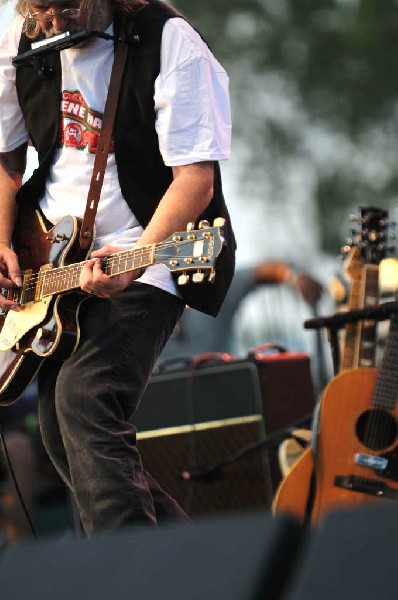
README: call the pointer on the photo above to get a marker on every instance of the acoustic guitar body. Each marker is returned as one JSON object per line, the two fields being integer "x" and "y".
{"x": 292, "y": 495}
{"x": 356, "y": 458}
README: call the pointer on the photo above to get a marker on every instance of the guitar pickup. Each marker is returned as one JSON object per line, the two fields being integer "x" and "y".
{"x": 379, "y": 463}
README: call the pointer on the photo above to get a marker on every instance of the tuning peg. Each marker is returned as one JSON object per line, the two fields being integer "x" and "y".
{"x": 218, "y": 222}
{"x": 183, "y": 279}
{"x": 198, "y": 277}
{"x": 212, "y": 276}
{"x": 204, "y": 224}
{"x": 190, "y": 226}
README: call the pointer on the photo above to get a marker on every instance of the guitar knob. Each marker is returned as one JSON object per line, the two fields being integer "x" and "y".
{"x": 212, "y": 276}
{"x": 219, "y": 222}
{"x": 204, "y": 224}
{"x": 190, "y": 226}
{"x": 183, "y": 279}
{"x": 198, "y": 277}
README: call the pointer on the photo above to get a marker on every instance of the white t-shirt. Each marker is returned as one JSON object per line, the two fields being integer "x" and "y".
{"x": 192, "y": 122}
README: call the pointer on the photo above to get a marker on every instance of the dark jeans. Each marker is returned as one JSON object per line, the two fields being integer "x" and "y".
{"x": 87, "y": 401}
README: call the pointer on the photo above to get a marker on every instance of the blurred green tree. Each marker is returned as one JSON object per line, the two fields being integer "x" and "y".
{"x": 315, "y": 99}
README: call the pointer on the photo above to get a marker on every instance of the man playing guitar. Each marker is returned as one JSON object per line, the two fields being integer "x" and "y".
{"x": 171, "y": 128}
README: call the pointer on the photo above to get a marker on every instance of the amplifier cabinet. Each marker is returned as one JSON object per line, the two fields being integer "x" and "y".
{"x": 287, "y": 388}
{"x": 201, "y": 466}
{"x": 191, "y": 421}
{"x": 288, "y": 397}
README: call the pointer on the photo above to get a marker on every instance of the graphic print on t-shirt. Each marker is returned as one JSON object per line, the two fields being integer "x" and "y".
{"x": 80, "y": 124}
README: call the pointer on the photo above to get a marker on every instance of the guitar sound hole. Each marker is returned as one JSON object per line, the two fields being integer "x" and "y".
{"x": 376, "y": 429}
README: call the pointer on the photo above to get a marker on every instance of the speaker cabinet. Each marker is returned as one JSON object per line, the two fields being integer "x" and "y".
{"x": 245, "y": 557}
{"x": 200, "y": 435}
{"x": 288, "y": 397}
{"x": 201, "y": 466}
{"x": 194, "y": 418}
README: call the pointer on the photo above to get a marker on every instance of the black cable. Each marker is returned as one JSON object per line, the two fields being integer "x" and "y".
{"x": 14, "y": 479}
{"x": 214, "y": 471}
{"x": 192, "y": 440}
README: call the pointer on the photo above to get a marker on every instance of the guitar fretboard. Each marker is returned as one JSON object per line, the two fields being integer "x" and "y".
{"x": 62, "y": 279}
{"x": 360, "y": 340}
{"x": 386, "y": 389}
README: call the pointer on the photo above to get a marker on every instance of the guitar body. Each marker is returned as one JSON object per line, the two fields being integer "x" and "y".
{"x": 356, "y": 459}
{"x": 51, "y": 261}
{"x": 350, "y": 427}
{"x": 339, "y": 471}
{"x": 292, "y": 495}
{"x": 46, "y": 327}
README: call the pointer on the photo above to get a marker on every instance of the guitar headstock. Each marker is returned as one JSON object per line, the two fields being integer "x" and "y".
{"x": 193, "y": 253}
{"x": 369, "y": 243}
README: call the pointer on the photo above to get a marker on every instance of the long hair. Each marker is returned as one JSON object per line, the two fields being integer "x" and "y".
{"x": 96, "y": 10}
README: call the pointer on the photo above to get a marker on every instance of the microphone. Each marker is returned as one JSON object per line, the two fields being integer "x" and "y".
{"x": 56, "y": 43}
{"x": 62, "y": 41}
{"x": 205, "y": 474}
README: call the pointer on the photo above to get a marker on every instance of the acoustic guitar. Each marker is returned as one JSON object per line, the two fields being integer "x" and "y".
{"x": 50, "y": 298}
{"x": 293, "y": 495}
{"x": 357, "y": 458}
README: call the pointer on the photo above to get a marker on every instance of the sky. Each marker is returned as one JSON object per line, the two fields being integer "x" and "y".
{"x": 6, "y": 15}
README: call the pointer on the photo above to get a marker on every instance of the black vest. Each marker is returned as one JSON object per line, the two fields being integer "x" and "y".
{"x": 143, "y": 176}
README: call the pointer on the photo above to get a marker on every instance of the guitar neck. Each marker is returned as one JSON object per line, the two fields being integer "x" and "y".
{"x": 386, "y": 389}
{"x": 63, "y": 279}
{"x": 360, "y": 338}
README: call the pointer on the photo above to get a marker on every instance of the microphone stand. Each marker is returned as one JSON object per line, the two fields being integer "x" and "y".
{"x": 376, "y": 312}
{"x": 215, "y": 471}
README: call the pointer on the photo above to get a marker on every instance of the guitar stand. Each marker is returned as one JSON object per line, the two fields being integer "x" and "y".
{"x": 377, "y": 312}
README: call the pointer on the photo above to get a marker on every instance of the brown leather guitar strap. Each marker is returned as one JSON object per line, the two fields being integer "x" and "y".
{"x": 104, "y": 140}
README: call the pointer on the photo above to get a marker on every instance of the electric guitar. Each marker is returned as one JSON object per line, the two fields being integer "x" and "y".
{"x": 51, "y": 261}
{"x": 359, "y": 350}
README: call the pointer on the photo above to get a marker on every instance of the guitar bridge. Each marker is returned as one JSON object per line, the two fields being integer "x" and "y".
{"x": 365, "y": 485}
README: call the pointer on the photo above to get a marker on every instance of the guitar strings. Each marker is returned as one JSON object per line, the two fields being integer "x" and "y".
{"x": 380, "y": 430}
{"x": 375, "y": 433}
{"x": 371, "y": 289}
{"x": 111, "y": 261}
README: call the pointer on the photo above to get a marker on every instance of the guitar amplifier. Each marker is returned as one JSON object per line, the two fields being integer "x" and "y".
{"x": 288, "y": 395}
{"x": 192, "y": 426}
{"x": 210, "y": 419}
